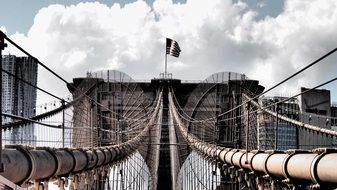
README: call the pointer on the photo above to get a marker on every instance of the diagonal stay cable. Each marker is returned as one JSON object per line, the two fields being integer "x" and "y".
{"x": 28, "y": 54}
{"x": 32, "y": 85}
{"x": 51, "y": 71}
{"x": 311, "y": 127}
{"x": 283, "y": 81}
{"x": 46, "y": 114}
{"x": 30, "y": 120}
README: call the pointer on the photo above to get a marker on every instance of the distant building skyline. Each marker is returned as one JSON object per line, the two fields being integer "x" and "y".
{"x": 286, "y": 133}
{"x": 19, "y": 98}
{"x": 312, "y": 108}
{"x": 315, "y": 108}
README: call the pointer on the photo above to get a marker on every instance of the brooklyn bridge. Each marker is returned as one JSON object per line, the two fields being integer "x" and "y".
{"x": 115, "y": 132}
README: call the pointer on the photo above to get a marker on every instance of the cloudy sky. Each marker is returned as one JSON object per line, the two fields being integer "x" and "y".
{"x": 266, "y": 40}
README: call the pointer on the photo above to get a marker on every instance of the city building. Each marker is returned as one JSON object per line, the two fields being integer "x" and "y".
{"x": 333, "y": 121}
{"x": 312, "y": 108}
{"x": 17, "y": 97}
{"x": 270, "y": 127}
{"x": 315, "y": 108}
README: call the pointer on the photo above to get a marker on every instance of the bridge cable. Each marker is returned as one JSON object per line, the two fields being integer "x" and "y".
{"x": 330, "y": 132}
{"x": 32, "y": 85}
{"x": 283, "y": 81}
{"x": 51, "y": 71}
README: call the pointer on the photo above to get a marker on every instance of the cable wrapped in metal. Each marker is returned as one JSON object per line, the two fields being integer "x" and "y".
{"x": 236, "y": 158}
{"x": 246, "y": 160}
{"x": 113, "y": 153}
{"x": 258, "y": 162}
{"x": 92, "y": 159}
{"x": 44, "y": 164}
{"x": 274, "y": 163}
{"x": 229, "y": 156}
{"x": 223, "y": 153}
{"x": 108, "y": 156}
{"x": 298, "y": 165}
{"x": 326, "y": 168}
{"x": 100, "y": 157}
{"x": 65, "y": 160}
{"x": 81, "y": 160}
{"x": 11, "y": 158}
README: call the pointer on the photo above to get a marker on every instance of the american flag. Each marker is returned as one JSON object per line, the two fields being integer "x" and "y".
{"x": 172, "y": 47}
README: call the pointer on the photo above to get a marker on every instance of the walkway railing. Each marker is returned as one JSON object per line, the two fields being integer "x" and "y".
{"x": 254, "y": 168}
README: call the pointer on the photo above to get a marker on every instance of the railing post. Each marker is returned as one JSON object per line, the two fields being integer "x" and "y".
{"x": 63, "y": 120}
{"x": 247, "y": 131}
{"x": 91, "y": 126}
{"x": 276, "y": 127}
{"x": 2, "y": 47}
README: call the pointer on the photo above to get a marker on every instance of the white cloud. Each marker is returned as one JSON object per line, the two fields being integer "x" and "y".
{"x": 74, "y": 58}
{"x": 3, "y": 29}
{"x": 261, "y": 4}
{"x": 214, "y": 36}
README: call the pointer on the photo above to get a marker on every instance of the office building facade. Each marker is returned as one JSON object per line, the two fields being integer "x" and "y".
{"x": 271, "y": 130}
{"x": 19, "y": 98}
{"x": 315, "y": 108}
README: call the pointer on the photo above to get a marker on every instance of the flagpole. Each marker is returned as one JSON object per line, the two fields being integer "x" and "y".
{"x": 165, "y": 72}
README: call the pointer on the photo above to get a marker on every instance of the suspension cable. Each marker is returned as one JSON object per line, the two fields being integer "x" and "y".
{"x": 283, "y": 81}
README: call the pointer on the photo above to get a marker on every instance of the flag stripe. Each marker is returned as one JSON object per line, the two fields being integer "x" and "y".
{"x": 172, "y": 47}
{"x": 174, "y": 52}
{"x": 175, "y": 44}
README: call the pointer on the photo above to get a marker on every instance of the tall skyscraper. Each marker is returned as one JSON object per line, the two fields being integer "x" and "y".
{"x": 19, "y": 98}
